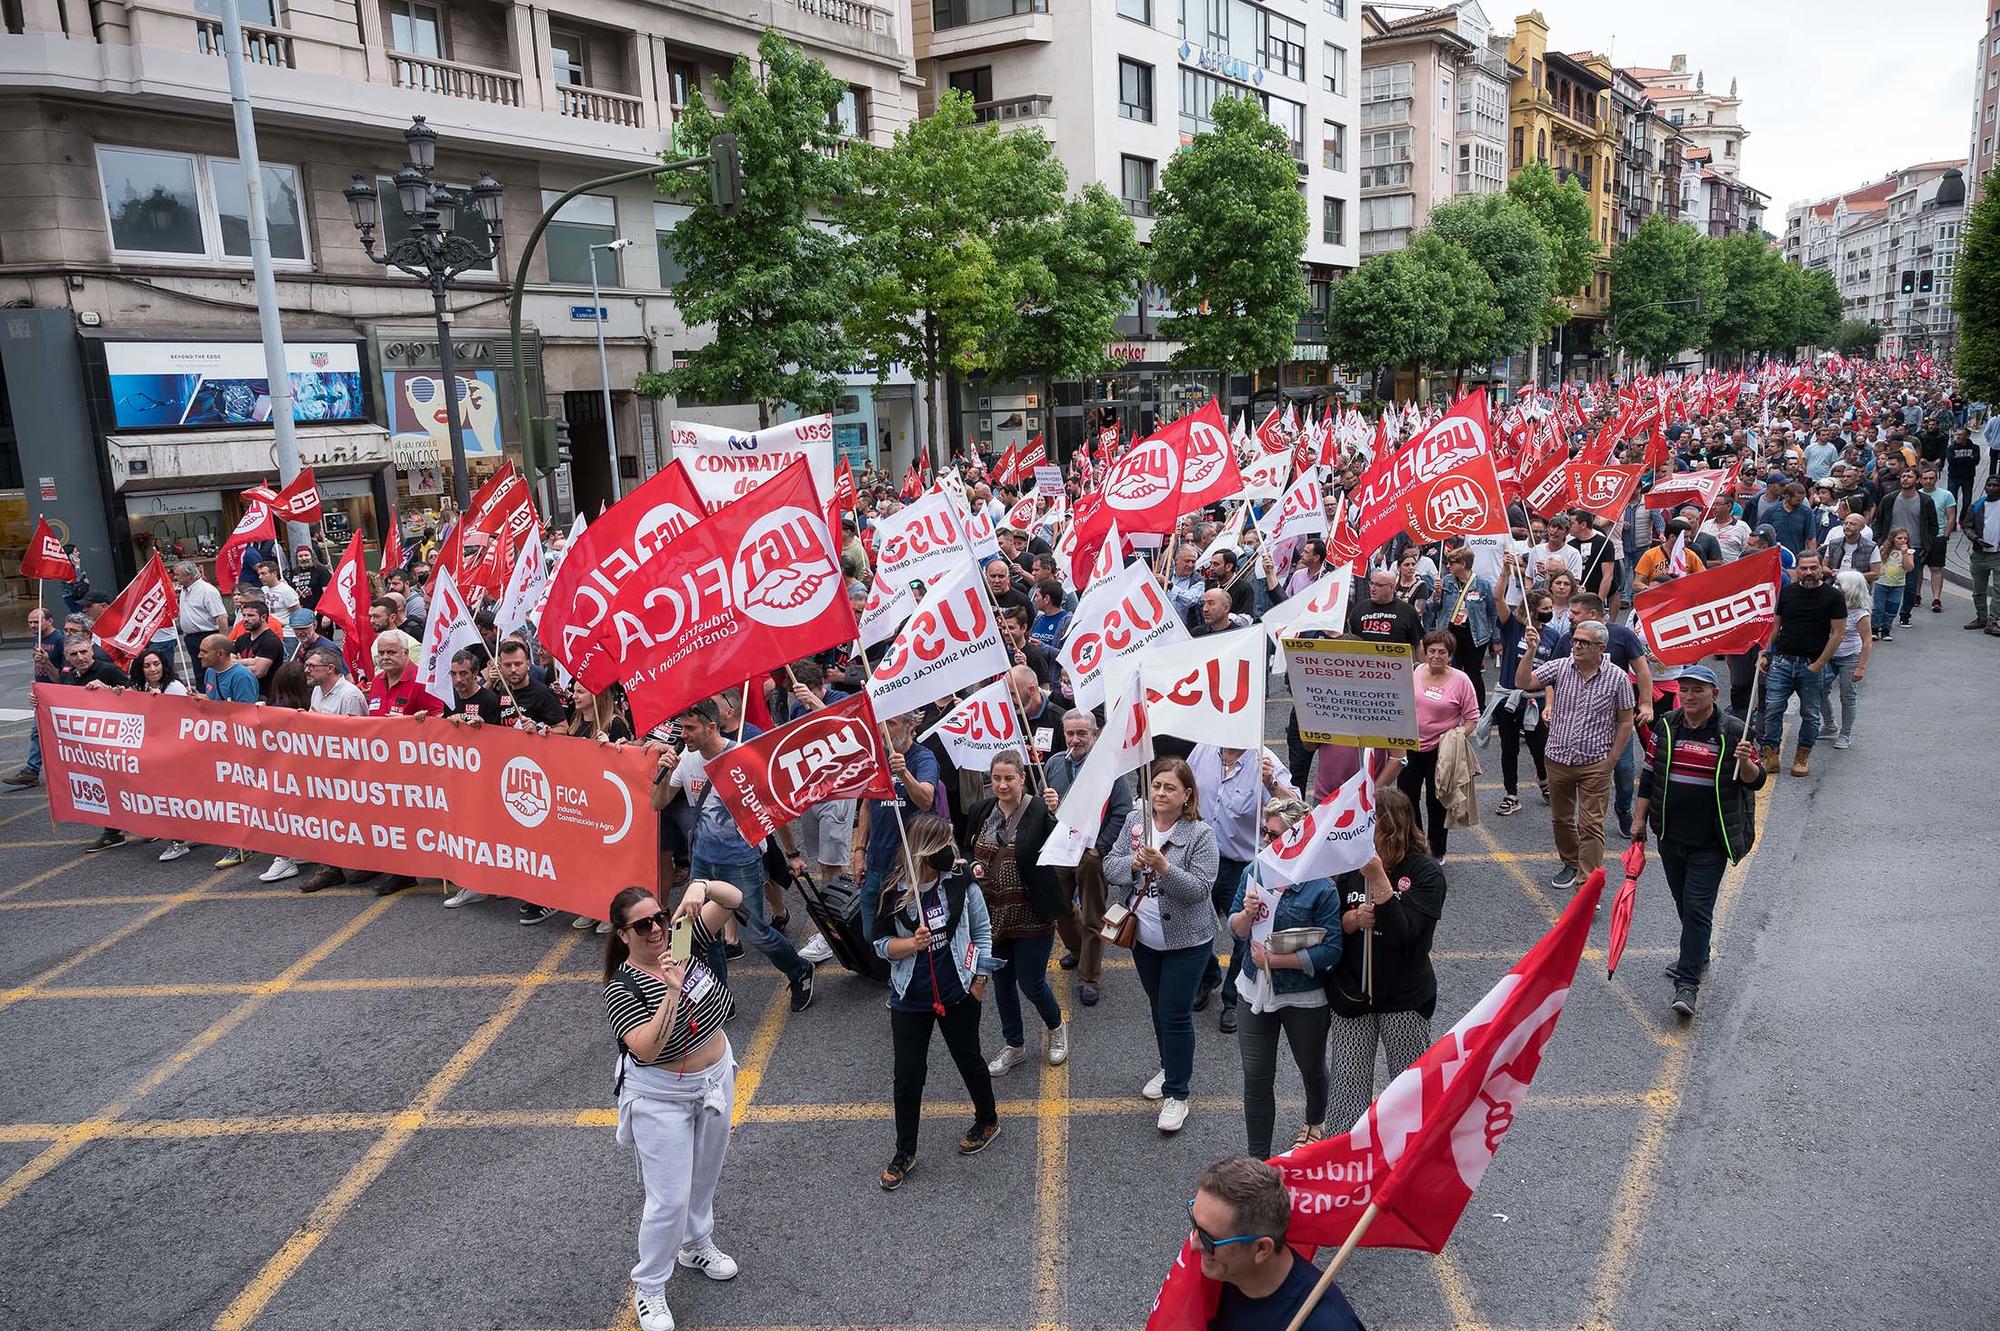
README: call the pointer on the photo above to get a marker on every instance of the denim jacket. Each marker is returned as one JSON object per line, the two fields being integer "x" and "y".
{"x": 1313, "y": 902}
{"x": 971, "y": 947}
{"x": 1479, "y": 611}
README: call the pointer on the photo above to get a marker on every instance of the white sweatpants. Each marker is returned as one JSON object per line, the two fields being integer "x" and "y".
{"x": 680, "y": 1128}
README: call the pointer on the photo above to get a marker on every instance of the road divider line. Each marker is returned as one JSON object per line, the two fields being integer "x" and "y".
{"x": 41, "y": 877}
{"x": 200, "y": 891}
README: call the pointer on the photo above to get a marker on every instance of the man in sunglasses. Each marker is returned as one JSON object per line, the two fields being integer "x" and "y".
{"x": 1239, "y": 1216}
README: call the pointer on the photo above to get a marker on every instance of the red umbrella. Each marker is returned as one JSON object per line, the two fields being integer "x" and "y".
{"x": 1621, "y": 907}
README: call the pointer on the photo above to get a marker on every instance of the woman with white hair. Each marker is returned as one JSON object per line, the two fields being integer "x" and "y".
{"x": 1850, "y": 660}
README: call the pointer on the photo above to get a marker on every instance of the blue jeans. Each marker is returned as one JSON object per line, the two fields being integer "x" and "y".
{"x": 756, "y": 929}
{"x": 1170, "y": 979}
{"x": 1789, "y": 675}
{"x": 1884, "y": 610}
{"x": 1912, "y": 593}
{"x": 1624, "y": 784}
{"x": 1024, "y": 969}
{"x": 35, "y": 745}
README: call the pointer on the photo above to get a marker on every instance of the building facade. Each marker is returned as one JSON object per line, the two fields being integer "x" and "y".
{"x": 126, "y": 238}
{"x": 1979, "y": 147}
{"x": 1891, "y": 246}
{"x": 1119, "y": 87}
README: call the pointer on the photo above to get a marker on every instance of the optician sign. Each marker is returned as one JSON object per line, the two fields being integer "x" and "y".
{"x": 173, "y": 385}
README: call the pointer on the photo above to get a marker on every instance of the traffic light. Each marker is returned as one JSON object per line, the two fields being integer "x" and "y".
{"x": 1927, "y": 280}
{"x": 725, "y": 175}
{"x": 1909, "y": 283}
{"x": 550, "y": 443}
{"x": 563, "y": 454}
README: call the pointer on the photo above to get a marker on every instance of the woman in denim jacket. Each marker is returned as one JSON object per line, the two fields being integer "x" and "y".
{"x": 938, "y": 941}
{"x": 1283, "y": 992}
{"x": 1472, "y": 624}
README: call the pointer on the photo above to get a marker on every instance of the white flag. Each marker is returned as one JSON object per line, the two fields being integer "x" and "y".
{"x": 1335, "y": 838}
{"x": 1021, "y": 517}
{"x": 526, "y": 586}
{"x": 1209, "y": 690}
{"x": 1265, "y": 476}
{"x": 951, "y": 643}
{"x": 1127, "y": 613}
{"x": 1126, "y": 743}
{"x": 449, "y": 629}
{"x": 1230, "y": 538}
{"x": 980, "y": 728}
{"x": 1302, "y": 512}
{"x": 919, "y": 540}
{"x": 1323, "y": 605}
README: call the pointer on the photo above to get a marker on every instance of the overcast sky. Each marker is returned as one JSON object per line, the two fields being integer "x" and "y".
{"x": 1835, "y": 93}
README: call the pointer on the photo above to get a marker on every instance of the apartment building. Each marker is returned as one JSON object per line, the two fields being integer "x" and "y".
{"x": 1891, "y": 246}
{"x": 1985, "y": 102}
{"x": 130, "y": 359}
{"x": 1118, "y": 87}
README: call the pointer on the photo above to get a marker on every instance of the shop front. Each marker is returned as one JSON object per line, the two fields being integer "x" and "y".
{"x": 404, "y": 372}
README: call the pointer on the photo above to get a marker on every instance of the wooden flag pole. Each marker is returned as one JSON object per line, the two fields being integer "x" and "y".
{"x": 1333, "y": 1267}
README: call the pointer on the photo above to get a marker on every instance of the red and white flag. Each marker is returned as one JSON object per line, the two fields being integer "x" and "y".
{"x": 920, "y": 541}
{"x": 1033, "y": 456}
{"x": 980, "y": 729}
{"x": 255, "y": 525}
{"x": 1266, "y": 475}
{"x": 147, "y": 606}
{"x": 526, "y": 585}
{"x": 44, "y": 558}
{"x": 1464, "y": 502}
{"x": 1718, "y": 611}
{"x": 1604, "y": 491}
{"x": 1126, "y": 743}
{"x": 299, "y": 501}
{"x": 1208, "y": 464}
{"x": 1006, "y": 467}
{"x": 1302, "y": 512}
{"x": 1690, "y": 487}
{"x": 503, "y": 504}
{"x": 1141, "y": 490}
{"x": 599, "y": 559}
{"x": 1321, "y": 607}
{"x": 448, "y": 629}
{"x": 1420, "y": 1151}
{"x": 1021, "y": 517}
{"x": 392, "y": 542}
{"x": 1123, "y": 614}
{"x": 1433, "y": 480}
{"x": 1271, "y": 437}
{"x": 834, "y": 753}
{"x": 735, "y": 594}
{"x": 1209, "y": 690}
{"x": 1337, "y": 837}
{"x": 345, "y": 602}
{"x": 951, "y": 643}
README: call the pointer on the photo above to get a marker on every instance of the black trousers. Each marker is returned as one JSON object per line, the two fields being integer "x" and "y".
{"x": 1742, "y": 677}
{"x": 1421, "y": 775}
{"x": 1694, "y": 876}
{"x": 1470, "y": 659}
{"x": 910, "y": 1032}
{"x": 1298, "y": 753}
{"x": 1511, "y": 721}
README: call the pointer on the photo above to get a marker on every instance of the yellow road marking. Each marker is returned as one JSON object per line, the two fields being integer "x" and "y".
{"x": 1048, "y": 1300}
{"x": 756, "y": 1060}
{"x": 42, "y": 844}
{"x": 286, "y": 1261}
{"x": 35, "y": 808}
{"x": 9, "y": 997}
{"x": 41, "y": 877}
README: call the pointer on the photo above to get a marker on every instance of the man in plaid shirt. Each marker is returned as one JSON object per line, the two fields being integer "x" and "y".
{"x": 1590, "y": 722}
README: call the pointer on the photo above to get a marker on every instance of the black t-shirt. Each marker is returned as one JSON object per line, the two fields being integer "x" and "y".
{"x": 1803, "y": 619}
{"x": 1404, "y": 979}
{"x": 484, "y": 704}
{"x": 97, "y": 672}
{"x": 270, "y": 647}
{"x": 1597, "y": 552}
{"x": 310, "y": 581}
{"x": 1394, "y": 622}
{"x": 1961, "y": 456}
{"x": 531, "y": 703}
{"x": 1237, "y": 1311}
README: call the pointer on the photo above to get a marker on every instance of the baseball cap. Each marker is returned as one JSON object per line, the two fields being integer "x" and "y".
{"x": 300, "y": 618}
{"x": 1699, "y": 674}
{"x": 1776, "y": 478}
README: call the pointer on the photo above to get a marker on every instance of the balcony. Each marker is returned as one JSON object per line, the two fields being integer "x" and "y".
{"x": 872, "y": 19}
{"x": 448, "y": 78}
{"x": 1395, "y": 174}
{"x": 1393, "y": 111}
{"x": 966, "y": 26}
{"x": 261, "y": 45}
{"x": 1007, "y": 110}
{"x": 604, "y": 108}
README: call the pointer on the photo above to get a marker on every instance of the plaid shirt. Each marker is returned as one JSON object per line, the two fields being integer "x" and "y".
{"x": 1583, "y": 713}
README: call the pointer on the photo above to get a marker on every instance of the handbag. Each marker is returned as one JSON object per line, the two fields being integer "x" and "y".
{"x": 1121, "y": 923}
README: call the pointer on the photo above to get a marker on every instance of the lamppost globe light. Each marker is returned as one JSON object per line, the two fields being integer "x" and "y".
{"x": 444, "y": 203}
{"x": 413, "y": 192}
{"x": 422, "y": 140}
{"x": 363, "y": 203}
{"x": 486, "y": 194}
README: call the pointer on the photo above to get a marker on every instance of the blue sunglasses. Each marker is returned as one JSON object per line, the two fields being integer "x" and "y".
{"x": 1209, "y": 1243}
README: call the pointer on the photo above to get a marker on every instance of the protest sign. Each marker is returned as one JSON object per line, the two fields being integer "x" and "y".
{"x": 1355, "y": 693}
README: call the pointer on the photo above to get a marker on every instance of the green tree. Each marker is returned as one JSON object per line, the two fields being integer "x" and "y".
{"x": 947, "y": 219}
{"x": 1976, "y": 297}
{"x": 1562, "y": 210}
{"x": 1468, "y": 318}
{"x": 1383, "y": 314}
{"x": 1808, "y": 308}
{"x": 1228, "y": 237}
{"x": 774, "y": 284}
{"x": 1503, "y": 238}
{"x": 1747, "y": 317}
{"x": 1664, "y": 283}
{"x": 1857, "y": 337}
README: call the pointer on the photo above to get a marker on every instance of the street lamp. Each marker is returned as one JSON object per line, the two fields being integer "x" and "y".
{"x": 434, "y": 253}
{"x": 597, "y": 313}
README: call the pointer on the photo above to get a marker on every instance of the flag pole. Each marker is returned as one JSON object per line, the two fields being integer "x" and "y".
{"x": 1333, "y": 1267}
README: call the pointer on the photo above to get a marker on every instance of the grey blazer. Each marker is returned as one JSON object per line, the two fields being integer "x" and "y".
{"x": 1187, "y": 912}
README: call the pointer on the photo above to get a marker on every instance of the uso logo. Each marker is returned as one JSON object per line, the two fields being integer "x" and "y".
{"x": 524, "y": 789}
{"x": 826, "y": 755}
{"x": 87, "y": 793}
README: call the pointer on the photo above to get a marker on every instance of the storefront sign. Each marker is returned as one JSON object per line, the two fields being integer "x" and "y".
{"x": 173, "y": 385}
{"x": 417, "y": 458}
{"x": 1220, "y": 62}
{"x": 1136, "y": 353}
{"x": 1354, "y": 693}
{"x": 48, "y": 489}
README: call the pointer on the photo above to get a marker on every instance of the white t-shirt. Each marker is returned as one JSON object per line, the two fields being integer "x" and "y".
{"x": 1569, "y": 557}
{"x": 343, "y": 699}
{"x": 283, "y": 600}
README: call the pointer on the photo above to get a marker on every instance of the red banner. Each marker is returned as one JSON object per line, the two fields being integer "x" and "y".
{"x": 1208, "y": 462}
{"x": 44, "y": 557}
{"x": 1604, "y": 491}
{"x": 143, "y": 609}
{"x": 609, "y": 551}
{"x": 1689, "y": 487}
{"x": 1463, "y": 502}
{"x": 1729, "y": 608}
{"x": 1409, "y": 476}
{"x": 558, "y": 821}
{"x": 503, "y": 504}
{"x": 834, "y": 753}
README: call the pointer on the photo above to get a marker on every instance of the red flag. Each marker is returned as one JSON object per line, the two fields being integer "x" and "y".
{"x": 44, "y": 557}
{"x": 1689, "y": 487}
{"x": 1621, "y": 907}
{"x": 143, "y": 609}
{"x": 1422, "y": 1148}
{"x": 834, "y": 753}
{"x": 1181, "y": 468}
{"x": 1463, "y": 502}
{"x": 1033, "y": 456}
{"x": 1406, "y": 481}
{"x": 392, "y": 542}
{"x": 1207, "y": 462}
{"x": 608, "y": 552}
{"x": 450, "y": 559}
{"x": 503, "y": 504}
{"x": 1656, "y": 451}
{"x": 345, "y": 602}
{"x": 1007, "y": 468}
{"x": 738, "y": 592}
{"x": 913, "y": 484}
{"x": 299, "y": 501}
{"x": 1107, "y": 444}
{"x": 254, "y": 525}
{"x": 1729, "y": 608}
{"x": 1270, "y": 437}
{"x": 488, "y": 572}
{"x": 1604, "y": 491}
{"x": 846, "y": 497}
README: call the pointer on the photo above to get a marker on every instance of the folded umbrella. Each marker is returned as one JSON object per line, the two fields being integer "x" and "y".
{"x": 1621, "y": 906}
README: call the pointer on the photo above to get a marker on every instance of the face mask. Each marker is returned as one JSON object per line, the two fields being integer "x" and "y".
{"x": 942, "y": 859}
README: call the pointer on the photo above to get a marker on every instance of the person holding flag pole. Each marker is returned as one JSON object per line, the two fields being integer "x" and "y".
{"x": 43, "y": 561}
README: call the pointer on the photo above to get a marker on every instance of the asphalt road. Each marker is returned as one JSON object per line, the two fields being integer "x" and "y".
{"x": 226, "y": 1104}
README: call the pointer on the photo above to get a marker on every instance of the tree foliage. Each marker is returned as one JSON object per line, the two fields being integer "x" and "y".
{"x": 1089, "y": 265}
{"x": 1664, "y": 286}
{"x": 1976, "y": 296}
{"x": 1562, "y": 210}
{"x": 1230, "y": 228}
{"x": 1382, "y": 313}
{"x": 1857, "y": 337}
{"x": 1466, "y": 327}
{"x": 1500, "y": 235}
{"x": 773, "y": 283}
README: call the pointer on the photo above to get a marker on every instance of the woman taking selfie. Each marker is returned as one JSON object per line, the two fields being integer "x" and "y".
{"x": 1163, "y": 868}
{"x": 1386, "y": 998}
{"x": 1283, "y": 992}
{"x": 676, "y": 1079}
{"x": 938, "y": 941}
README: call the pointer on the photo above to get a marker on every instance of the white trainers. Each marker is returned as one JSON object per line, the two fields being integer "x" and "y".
{"x": 710, "y": 1260}
{"x": 281, "y": 869}
{"x": 817, "y": 949}
{"x": 1059, "y": 1045}
{"x": 1156, "y": 1089}
{"x": 465, "y": 896}
{"x": 651, "y": 1305}
{"x": 1010, "y": 1056}
{"x": 1172, "y": 1114}
{"x": 604, "y": 926}
{"x": 174, "y": 851}
{"x": 583, "y": 922}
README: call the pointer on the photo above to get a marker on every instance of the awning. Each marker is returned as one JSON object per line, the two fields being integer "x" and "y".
{"x": 191, "y": 459}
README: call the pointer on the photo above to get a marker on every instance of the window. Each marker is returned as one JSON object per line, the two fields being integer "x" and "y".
{"x": 1444, "y": 93}
{"x": 1290, "y": 117}
{"x": 566, "y": 55}
{"x": 1333, "y": 145}
{"x": 1140, "y": 11}
{"x": 184, "y": 205}
{"x": 586, "y": 220}
{"x": 958, "y": 13}
{"x": 414, "y": 29}
{"x": 1135, "y": 90}
{"x": 1385, "y": 146}
{"x": 1383, "y": 83}
{"x": 1135, "y": 187}
{"x": 1535, "y": 79}
{"x": 680, "y": 81}
{"x": 1482, "y": 108}
{"x": 1198, "y": 94}
{"x": 1333, "y": 220}
{"x": 1389, "y": 212}
{"x": 1284, "y": 45}
{"x": 976, "y": 83}
{"x": 1729, "y": 145}
{"x": 1519, "y": 135}
{"x": 1333, "y": 71}
{"x": 667, "y": 216}
{"x": 1541, "y": 145}
{"x": 1338, "y": 8}
{"x": 396, "y": 223}
{"x": 850, "y": 113}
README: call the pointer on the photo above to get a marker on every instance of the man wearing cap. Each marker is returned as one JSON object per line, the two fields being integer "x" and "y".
{"x": 1696, "y": 796}
{"x": 309, "y": 577}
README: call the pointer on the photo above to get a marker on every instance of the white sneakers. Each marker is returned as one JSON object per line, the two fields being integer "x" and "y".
{"x": 1156, "y": 1089}
{"x": 708, "y": 1259}
{"x": 817, "y": 949}
{"x": 1173, "y": 1113}
{"x": 281, "y": 869}
{"x": 651, "y": 1305}
{"x": 583, "y": 922}
{"x": 175, "y": 850}
{"x": 465, "y": 896}
{"x": 1010, "y": 1056}
{"x": 1059, "y": 1045}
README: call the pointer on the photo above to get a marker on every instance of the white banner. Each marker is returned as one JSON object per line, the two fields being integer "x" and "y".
{"x": 980, "y": 729}
{"x": 1128, "y": 612}
{"x": 951, "y": 643}
{"x": 919, "y": 540}
{"x": 1125, "y": 743}
{"x": 727, "y": 464}
{"x": 1209, "y": 690}
{"x": 1302, "y": 512}
{"x": 1266, "y": 475}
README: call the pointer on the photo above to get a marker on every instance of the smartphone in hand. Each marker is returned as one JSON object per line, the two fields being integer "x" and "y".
{"x": 681, "y": 946}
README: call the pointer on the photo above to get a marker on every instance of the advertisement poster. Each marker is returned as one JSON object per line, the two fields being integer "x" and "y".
{"x": 172, "y": 385}
{"x": 1355, "y": 693}
{"x": 415, "y": 401}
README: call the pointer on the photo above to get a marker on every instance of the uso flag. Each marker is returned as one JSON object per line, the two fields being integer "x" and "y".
{"x": 1337, "y": 837}
{"x": 834, "y": 753}
{"x": 1729, "y": 608}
